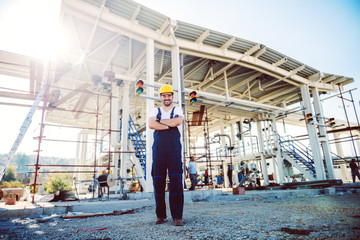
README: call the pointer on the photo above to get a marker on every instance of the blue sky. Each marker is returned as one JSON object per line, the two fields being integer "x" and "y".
{"x": 324, "y": 34}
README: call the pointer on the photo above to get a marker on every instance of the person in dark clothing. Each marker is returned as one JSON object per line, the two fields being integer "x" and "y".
{"x": 229, "y": 174}
{"x": 354, "y": 170}
{"x": 206, "y": 177}
{"x": 167, "y": 123}
{"x": 102, "y": 179}
{"x": 193, "y": 174}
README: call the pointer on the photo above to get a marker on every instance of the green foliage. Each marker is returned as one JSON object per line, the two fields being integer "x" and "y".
{"x": 59, "y": 182}
{"x": 10, "y": 174}
{"x": 32, "y": 189}
{"x": 13, "y": 184}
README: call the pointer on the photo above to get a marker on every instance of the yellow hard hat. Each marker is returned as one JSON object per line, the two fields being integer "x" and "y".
{"x": 104, "y": 172}
{"x": 166, "y": 89}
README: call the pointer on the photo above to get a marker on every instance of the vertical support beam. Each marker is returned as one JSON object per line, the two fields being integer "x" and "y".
{"x": 226, "y": 180}
{"x": 313, "y": 138}
{"x": 124, "y": 130}
{"x": 149, "y": 106}
{"x": 340, "y": 152}
{"x": 324, "y": 139}
{"x": 233, "y": 142}
{"x": 118, "y": 94}
{"x": 115, "y": 117}
{"x": 279, "y": 160}
{"x": 242, "y": 147}
{"x": 266, "y": 136}
{"x": 262, "y": 155}
{"x": 175, "y": 67}
{"x": 183, "y": 132}
{"x": 226, "y": 86}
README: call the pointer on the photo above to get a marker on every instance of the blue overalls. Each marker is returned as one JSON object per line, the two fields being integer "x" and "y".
{"x": 167, "y": 156}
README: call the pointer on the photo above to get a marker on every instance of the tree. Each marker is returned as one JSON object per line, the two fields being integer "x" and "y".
{"x": 10, "y": 174}
{"x": 59, "y": 182}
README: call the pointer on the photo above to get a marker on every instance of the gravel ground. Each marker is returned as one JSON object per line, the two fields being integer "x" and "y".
{"x": 321, "y": 217}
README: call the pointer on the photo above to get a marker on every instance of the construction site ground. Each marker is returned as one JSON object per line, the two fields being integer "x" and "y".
{"x": 322, "y": 213}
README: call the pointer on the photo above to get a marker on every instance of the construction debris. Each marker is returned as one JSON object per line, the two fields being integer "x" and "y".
{"x": 72, "y": 215}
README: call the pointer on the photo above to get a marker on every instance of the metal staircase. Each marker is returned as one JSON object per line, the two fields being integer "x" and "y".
{"x": 139, "y": 145}
{"x": 298, "y": 155}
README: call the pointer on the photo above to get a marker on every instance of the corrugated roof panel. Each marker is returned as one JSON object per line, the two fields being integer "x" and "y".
{"x": 200, "y": 73}
{"x": 83, "y": 30}
{"x": 121, "y": 58}
{"x": 267, "y": 58}
{"x": 102, "y": 35}
{"x": 136, "y": 50}
{"x": 96, "y": 3}
{"x": 186, "y": 31}
{"x": 166, "y": 62}
{"x": 241, "y": 45}
{"x": 216, "y": 39}
{"x": 122, "y": 8}
{"x": 150, "y": 18}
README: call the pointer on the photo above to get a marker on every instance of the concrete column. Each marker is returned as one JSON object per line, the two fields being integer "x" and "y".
{"x": 279, "y": 161}
{"x": 276, "y": 174}
{"x": 149, "y": 106}
{"x": 340, "y": 152}
{"x": 313, "y": 138}
{"x": 115, "y": 125}
{"x": 263, "y": 159}
{"x": 124, "y": 130}
{"x": 115, "y": 118}
{"x": 324, "y": 139}
{"x": 264, "y": 134}
{"x": 233, "y": 143}
{"x": 176, "y": 80}
{"x": 242, "y": 151}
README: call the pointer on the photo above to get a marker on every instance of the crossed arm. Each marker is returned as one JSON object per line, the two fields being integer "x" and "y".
{"x": 165, "y": 123}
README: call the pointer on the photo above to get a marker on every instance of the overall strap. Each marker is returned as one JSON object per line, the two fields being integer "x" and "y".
{"x": 172, "y": 113}
{"x": 158, "y": 116}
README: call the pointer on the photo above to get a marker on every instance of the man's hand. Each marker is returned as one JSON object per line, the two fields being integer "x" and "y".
{"x": 154, "y": 124}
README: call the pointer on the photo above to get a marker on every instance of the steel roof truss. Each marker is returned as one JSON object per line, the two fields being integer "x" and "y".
{"x": 202, "y": 37}
{"x": 228, "y": 43}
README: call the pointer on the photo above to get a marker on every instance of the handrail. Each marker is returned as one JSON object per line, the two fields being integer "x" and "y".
{"x": 138, "y": 143}
{"x": 298, "y": 153}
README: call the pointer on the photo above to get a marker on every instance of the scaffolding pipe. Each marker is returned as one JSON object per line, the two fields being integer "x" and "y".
{"x": 41, "y": 132}
{"x": 348, "y": 123}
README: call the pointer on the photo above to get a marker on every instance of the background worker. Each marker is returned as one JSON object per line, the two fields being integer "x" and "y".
{"x": 230, "y": 175}
{"x": 192, "y": 172}
{"x": 102, "y": 179}
{"x": 354, "y": 170}
{"x": 166, "y": 121}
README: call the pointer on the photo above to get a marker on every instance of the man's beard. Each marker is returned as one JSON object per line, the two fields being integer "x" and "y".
{"x": 167, "y": 103}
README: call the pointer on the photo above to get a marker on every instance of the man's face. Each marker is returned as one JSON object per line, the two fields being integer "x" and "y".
{"x": 167, "y": 99}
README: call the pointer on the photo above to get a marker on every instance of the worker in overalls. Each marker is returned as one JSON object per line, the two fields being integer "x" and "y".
{"x": 167, "y": 123}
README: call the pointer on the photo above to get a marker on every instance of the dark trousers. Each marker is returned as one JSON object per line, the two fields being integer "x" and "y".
{"x": 354, "y": 174}
{"x": 193, "y": 181}
{"x": 167, "y": 157}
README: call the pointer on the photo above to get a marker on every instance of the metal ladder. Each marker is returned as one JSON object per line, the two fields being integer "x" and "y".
{"x": 24, "y": 127}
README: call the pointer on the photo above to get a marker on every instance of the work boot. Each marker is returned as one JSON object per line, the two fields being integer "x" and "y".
{"x": 160, "y": 220}
{"x": 178, "y": 222}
